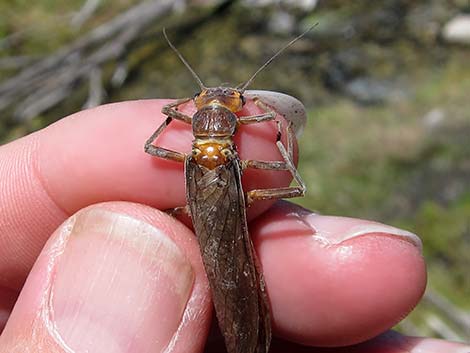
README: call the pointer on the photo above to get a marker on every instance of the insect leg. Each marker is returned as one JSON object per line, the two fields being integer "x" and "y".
{"x": 172, "y": 113}
{"x": 289, "y": 107}
{"x": 275, "y": 165}
{"x": 171, "y": 110}
{"x": 178, "y": 211}
{"x": 268, "y": 114}
{"x": 287, "y": 164}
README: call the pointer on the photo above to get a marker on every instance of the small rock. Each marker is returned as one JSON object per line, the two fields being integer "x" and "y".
{"x": 433, "y": 118}
{"x": 367, "y": 90}
{"x": 306, "y": 5}
{"x": 282, "y": 22}
{"x": 457, "y": 30}
{"x": 424, "y": 21}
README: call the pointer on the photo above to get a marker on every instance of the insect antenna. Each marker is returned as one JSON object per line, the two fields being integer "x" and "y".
{"x": 250, "y": 80}
{"x": 196, "y": 77}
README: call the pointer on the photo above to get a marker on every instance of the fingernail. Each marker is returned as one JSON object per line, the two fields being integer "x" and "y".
{"x": 430, "y": 345}
{"x": 120, "y": 285}
{"x": 332, "y": 230}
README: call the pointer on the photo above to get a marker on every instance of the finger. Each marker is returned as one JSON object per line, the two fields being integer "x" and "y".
{"x": 115, "y": 277}
{"x": 333, "y": 280}
{"x": 389, "y": 342}
{"x": 93, "y": 156}
{"x": 101, "y": 152}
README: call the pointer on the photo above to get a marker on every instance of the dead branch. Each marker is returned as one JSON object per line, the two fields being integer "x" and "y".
{"x": 42, "y": 85}
{"x": 85, "y": 13}
{"x": 441, "y": 328}
{"x": 16, "y": 62}
{"x": 96, "y": 90}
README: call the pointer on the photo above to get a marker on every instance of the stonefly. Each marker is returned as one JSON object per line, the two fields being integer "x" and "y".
{"x": 217, "y": 202}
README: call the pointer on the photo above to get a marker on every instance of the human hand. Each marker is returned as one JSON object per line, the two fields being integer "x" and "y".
{"x": 119, "y": 276}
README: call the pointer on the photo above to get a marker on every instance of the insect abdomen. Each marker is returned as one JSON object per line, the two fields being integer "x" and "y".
{"x": 217, "y": 204}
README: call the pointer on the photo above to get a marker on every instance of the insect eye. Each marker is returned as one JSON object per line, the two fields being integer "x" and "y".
{"x": 243, "y": 100}
{"x": 197, "y": 94}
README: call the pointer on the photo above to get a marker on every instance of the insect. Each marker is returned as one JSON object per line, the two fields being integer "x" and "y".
{"x": 217, "y": 202}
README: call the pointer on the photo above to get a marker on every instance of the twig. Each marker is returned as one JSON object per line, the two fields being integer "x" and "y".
{"x": 442, "y": 329}
{"x": 120, "y": 74}
{"x": 96, "y": 90}
{"x": 455, "y": 315}
{"x": 36, "y": 107}
{"x": 44, "y": 84}
{"x": 16, "y": 62}
{"x": 43, "y": 97}
{"x": 410, "y": 328}
{"x": 33, "y": 86}
{"x": 85, "y": 13}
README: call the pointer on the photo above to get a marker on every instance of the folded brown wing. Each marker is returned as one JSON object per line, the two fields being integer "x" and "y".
{"x": 217, "y": 205}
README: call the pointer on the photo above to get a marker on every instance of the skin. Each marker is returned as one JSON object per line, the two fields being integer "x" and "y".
{"x": 93, "y": 163}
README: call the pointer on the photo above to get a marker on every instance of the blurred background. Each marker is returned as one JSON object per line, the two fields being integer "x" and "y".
{"x": 386, "y": 85}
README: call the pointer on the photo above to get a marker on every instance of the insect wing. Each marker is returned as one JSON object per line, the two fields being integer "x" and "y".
{"x": 217, "y": 207}
{"x": 289, "y": 107}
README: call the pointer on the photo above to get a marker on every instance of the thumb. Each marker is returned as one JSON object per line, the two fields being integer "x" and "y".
{"x": 108, "y": 282}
